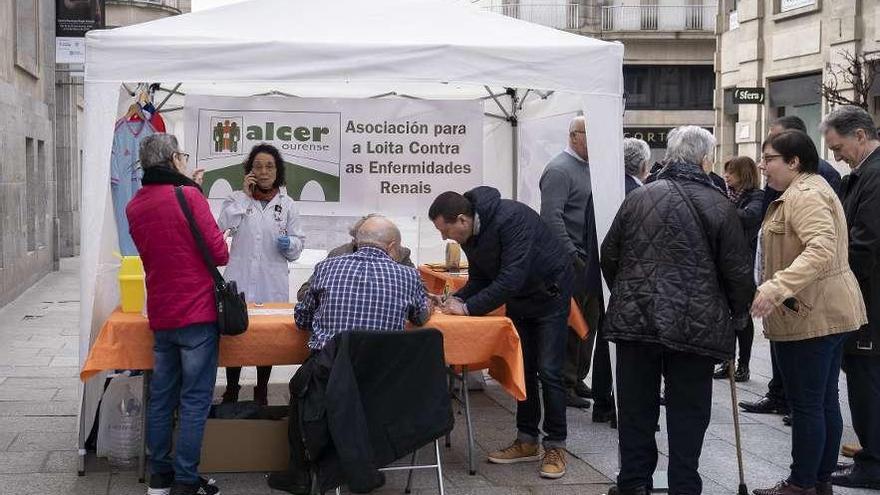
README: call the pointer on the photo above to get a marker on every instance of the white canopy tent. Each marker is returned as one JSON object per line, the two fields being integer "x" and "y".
{"x": 347, "y": 48}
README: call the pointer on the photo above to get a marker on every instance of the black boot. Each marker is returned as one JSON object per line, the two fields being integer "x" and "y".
{"x": 231, "y": 393}
{"x": 721, "y": 372}
{"x": 639, "y": 490}
{"x": 742, "y": 374}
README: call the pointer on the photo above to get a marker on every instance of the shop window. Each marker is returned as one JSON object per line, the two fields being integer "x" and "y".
{"x": 30, "y": 194}
{"x": 41, "y": 205}
{"x": 672, "y": 87}
{"x": 27, "y": 36}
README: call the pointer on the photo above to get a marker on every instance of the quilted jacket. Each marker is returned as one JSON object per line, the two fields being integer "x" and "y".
{"x": 671, "y": 283}
{"x": 180, "y": 290}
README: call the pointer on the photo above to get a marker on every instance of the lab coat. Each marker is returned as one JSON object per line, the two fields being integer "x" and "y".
{"x": 255, "y": 263}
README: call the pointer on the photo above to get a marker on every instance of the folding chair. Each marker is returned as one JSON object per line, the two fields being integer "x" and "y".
{"x": 432, "y": 368}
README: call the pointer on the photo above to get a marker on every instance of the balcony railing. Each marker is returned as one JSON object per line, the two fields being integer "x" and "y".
{"x": 666, "y": 18}
{"x": 558, "y": 15}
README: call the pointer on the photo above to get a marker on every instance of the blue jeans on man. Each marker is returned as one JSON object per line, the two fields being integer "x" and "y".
{"x": 543, "y": 341}
{"x": 184, "y": 373}
{"x": 810, "y": 370}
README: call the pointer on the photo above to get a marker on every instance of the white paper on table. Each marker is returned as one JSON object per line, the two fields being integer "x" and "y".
{"x": 270, "y": 311}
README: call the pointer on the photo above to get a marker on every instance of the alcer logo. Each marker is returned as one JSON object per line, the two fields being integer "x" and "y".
{"x": 226, "y": 134}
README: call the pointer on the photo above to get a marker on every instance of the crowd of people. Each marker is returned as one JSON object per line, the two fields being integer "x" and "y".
{"x": 691, "y": 259}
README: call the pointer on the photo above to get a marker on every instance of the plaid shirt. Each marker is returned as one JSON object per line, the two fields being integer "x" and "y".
{"x": 365, "y": 290}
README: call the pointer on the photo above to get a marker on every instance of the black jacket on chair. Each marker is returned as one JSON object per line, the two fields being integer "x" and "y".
{"x": 369, "y": 398}
{"x": 860, "y": 195}
{"x": 667, "y": 285}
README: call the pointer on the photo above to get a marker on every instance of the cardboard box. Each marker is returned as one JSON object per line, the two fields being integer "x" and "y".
{"x": 244, "y": 445}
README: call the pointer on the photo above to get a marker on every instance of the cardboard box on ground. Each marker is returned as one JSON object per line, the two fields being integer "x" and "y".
{"x": 244, "y": 445}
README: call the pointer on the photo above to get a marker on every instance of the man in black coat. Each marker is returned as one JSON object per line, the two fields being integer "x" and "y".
{"x": 515, "y": 259}
{"x": 675, "y": 260}
{"x": 851, "y": 135}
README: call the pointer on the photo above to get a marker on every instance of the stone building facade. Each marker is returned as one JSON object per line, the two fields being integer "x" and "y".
{"x": 788, "y": 48}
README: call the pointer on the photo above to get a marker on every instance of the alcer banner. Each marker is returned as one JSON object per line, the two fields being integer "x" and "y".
{"x": 342, "y": 156}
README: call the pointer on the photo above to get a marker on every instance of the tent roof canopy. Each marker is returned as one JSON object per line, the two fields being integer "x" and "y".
{"x": 381, "y": 42}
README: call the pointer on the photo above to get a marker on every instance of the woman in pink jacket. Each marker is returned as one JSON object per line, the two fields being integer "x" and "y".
{"x": 182, "y": 313}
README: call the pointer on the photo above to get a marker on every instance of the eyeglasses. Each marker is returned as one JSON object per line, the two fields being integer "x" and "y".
{"x": 184, "y": 155}
{"x": 767, "y": 158}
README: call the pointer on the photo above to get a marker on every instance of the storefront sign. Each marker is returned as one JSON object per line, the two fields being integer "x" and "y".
{"x": 748, "y": 96}
{"x": 73, "y": 19}
{"x": 342, "y": 156}
{"x": 654, "y": 136}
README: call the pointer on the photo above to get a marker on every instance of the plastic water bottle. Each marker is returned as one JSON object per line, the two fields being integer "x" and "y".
{"x": 125, "y": 436}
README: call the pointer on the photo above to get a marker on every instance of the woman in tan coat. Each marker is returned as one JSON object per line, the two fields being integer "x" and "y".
{"x": 809, "y": 300}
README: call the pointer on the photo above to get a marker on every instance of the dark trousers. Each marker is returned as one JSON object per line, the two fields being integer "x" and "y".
{"x": 810, "y": 370}
{"x": 603, "y": 395}
{"x": 863, "y": 386}
{"x": 233, "y": 375}
{"x": 744, "y": 339}
{"x": 775, "y": 389}
{"x": 543, "y": 341}
{"x": 688, "y": 380}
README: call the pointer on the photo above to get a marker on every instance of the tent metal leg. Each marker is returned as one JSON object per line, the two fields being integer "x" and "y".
{"x": 142, "y": 452}
{"x": 81, "y": 438}
{"x": 472, "y": 470}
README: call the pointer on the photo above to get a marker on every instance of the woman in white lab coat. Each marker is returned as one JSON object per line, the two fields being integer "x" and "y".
{"x": 266, "y": 234}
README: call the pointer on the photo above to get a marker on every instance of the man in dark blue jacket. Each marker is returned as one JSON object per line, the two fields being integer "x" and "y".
{"x": 515, "y": 259}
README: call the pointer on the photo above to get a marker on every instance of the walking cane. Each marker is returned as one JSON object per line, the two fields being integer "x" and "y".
{"x": 743, "y": 489}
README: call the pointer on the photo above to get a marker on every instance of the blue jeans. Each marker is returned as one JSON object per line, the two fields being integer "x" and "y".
{"x": 543, "y": 341}
{"x": 810, "y": 370}
{"x": 184, "y": 373}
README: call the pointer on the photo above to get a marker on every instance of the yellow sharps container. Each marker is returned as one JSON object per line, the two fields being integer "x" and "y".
{"x": 131, "y": 284}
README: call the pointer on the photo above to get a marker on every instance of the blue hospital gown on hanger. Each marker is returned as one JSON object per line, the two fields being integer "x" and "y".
{"x": 126, "y": 174}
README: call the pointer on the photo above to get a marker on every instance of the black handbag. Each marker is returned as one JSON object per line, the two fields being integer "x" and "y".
{"x": 232, "y": 314}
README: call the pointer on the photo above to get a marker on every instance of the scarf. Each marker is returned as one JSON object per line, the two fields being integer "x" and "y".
{"x": 735, "y": 195}
{"x": 264, "y": 195}
{"x": 159, "y": 175}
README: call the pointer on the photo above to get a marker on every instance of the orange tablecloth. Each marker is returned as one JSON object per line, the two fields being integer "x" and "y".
{"x": 490, "y": 342}
{"x": 435, "y": 282}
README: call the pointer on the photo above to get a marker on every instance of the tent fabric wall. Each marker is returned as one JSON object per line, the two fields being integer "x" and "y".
{"x": 430, "y": 48}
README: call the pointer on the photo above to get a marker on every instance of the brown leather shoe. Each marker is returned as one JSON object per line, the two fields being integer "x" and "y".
{"x": 553, "y": 464}
{"x": 824, "y": 488}
{"x": 516, "y": 452}
{"x": 785, "y": 488}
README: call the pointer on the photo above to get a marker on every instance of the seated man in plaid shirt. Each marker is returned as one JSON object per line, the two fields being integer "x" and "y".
{"x": 365, "y": 290}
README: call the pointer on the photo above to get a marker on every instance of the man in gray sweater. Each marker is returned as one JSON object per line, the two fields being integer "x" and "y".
{"x": 566, "y": 206}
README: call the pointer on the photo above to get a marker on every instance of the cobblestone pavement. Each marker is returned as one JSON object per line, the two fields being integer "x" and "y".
{"x": 38, "y": 422}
